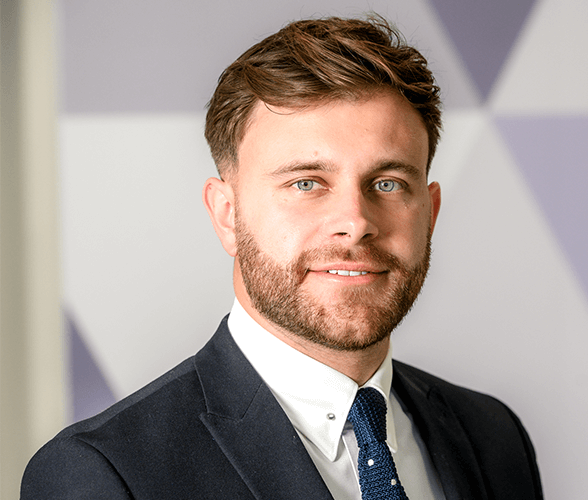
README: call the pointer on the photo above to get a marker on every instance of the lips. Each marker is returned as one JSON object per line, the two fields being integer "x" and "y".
{"x": 342, "y": 272}
{"x": 345, "y": 268}
{"x": 334, "y": 261}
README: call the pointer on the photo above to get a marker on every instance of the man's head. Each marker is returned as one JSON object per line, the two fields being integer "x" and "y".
{"x": 316, "y": 61}
{"x": 325, "y": 203}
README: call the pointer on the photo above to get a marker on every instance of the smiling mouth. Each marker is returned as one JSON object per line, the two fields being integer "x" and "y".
{"x": 341, "y": 272}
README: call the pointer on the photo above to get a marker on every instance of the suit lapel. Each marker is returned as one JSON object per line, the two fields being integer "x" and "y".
{"x": 449, "y": 447}
{"x": 251, "y": 428}
{"x": 258, "y": 439}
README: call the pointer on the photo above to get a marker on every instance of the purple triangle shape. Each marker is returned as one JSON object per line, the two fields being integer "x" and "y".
{"x": 90, "y": 391}
{"x": 483, "y": 32}
{"x": 552, "y": 154}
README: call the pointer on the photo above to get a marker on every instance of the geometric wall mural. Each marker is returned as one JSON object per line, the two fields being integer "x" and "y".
{"x": 89, "y": 390}
{"x": 505, "y": 307}
{"x": 483, "y": 33}
{"x": 552, "y": 153}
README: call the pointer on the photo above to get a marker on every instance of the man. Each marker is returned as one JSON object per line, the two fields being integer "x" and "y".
{"x": 323, "y": 135}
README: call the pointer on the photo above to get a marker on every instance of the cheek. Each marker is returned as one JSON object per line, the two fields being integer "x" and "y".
{"x": 406, "y": 233}
{"x": 281, "y": 234}
{"x": 281, "y": 226}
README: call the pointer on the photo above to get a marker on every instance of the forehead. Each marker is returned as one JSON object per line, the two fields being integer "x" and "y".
{"x": 341, "y": 132}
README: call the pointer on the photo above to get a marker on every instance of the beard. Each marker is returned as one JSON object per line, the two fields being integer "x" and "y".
{"x": 362, "y": 316}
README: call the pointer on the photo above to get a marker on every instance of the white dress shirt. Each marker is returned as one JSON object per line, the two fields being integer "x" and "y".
{"x": 317, "y": 399}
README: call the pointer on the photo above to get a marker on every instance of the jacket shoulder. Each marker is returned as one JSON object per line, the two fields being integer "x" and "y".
{"x": 176, "y": 389}
{"x": 118, "y": 450}
{"x": 152, "y": 444}
{"x": 479, "y": 430}
{"x": 465, "y": 403}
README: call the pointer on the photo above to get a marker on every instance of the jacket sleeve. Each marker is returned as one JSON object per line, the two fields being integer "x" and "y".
{"x": 68, "y": 469}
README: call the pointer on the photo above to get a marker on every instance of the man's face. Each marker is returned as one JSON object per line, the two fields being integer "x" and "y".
{"x": 333, "y": 218}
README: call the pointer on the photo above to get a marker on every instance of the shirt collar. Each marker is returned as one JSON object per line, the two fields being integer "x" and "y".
{"x": 315, "y": 397}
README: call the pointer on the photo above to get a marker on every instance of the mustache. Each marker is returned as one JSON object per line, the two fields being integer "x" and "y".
{"x": 368, "y": 254}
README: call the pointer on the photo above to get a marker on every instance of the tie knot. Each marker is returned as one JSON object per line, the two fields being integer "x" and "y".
{"x": 368, "y": 416}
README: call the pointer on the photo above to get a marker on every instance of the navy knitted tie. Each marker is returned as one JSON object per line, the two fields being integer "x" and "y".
{"x": 378, "y": 478}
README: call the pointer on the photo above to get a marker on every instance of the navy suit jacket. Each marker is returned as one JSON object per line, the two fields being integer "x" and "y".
{"x": 211, "y": 429}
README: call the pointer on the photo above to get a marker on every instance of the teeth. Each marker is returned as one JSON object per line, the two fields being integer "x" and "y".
{"x": 347, "y": 273}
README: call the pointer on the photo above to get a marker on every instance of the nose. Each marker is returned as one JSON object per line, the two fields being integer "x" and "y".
{"x": 350, "y": 219}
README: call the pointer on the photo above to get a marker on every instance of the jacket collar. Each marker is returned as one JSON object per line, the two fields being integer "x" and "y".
{"x": 250, "y": 426}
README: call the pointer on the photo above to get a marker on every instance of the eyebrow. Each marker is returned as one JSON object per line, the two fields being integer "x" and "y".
{"x": 296, "y": 166}
{"x": 399, "y": 166}
{"x": 321, "y": 166}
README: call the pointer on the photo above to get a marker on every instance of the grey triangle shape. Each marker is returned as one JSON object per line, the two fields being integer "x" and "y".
{"x": 551, "y": 155}
{"x": 483, "y": 33}
{"x": 90, "y": 391}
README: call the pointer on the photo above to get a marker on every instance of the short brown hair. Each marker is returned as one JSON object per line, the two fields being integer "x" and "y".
{"x": 311, "y": 61}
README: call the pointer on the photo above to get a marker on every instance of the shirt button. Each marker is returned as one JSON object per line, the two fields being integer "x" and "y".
{"x": 370, "y": 462}
{"x": 393, "y": 482}
{"x": 331, "y": 416}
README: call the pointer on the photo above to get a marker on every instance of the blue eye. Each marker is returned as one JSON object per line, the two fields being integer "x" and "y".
{"x": 387, "y": 186}
{"x": 305, "y": 185}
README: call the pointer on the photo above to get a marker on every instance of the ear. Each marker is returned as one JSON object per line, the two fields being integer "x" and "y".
{"x": 219, "y": 200}
{"x": 435, "y": 197}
